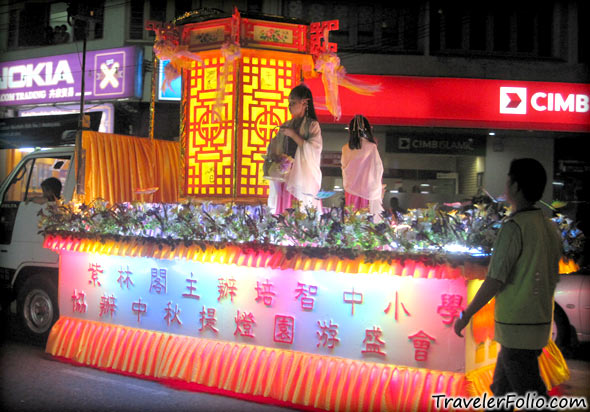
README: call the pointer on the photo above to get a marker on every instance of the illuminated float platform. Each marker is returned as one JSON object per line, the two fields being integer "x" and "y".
{"x": 312, "y": 328}
{"x": 343, "y": 327}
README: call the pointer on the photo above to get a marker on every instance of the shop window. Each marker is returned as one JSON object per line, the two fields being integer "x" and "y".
{"x": 142, "y": 10}
{"x": 342, "y": 35}
{"x": 545, "y": 30}
{"x": 501, "y": 31}
{"x": 136, "y": 19}
{"x": 157, "y": 13}
{"x": 525, "y": 31}
{"x": 493, "y": 30}
{"x": 12, "y": 29}
{"x": 366, "y": 26}
{"x": 294, "y": 8}
{"x": 87, "y": 20}
{"x": 41, "y": 24}
{"x": 378, "y": 27}
{"x": 58, "y": 30}
{"x": 478, "y": 30}
{"x": 452, "y": 26}
{"x": 584, "y": 33}
{"x": 31, "y": 18}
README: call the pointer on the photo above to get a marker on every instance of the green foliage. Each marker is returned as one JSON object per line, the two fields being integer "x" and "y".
{"x": 339, "y": 231}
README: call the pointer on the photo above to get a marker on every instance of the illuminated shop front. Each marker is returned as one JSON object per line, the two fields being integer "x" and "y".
{"x": 51, "y": 85}
{"x": 449, "y": 137}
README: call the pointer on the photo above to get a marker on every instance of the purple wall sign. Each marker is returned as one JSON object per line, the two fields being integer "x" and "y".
{"x": 110, "y": 74}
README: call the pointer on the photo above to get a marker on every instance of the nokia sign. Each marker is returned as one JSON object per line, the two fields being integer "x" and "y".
{"x": 111, "y": 74}
{"x": 513, "y": 100}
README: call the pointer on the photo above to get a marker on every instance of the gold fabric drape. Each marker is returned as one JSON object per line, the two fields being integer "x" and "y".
{"x": 121, "y": 168}
{"x": 316, "y": 382}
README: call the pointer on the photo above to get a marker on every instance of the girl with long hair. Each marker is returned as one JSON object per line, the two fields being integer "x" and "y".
{"x": 362, "y": 168}
{"x": 301, "y": 138}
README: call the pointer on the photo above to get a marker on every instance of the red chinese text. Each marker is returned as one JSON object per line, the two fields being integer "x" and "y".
{"x": 124, "y": 277}
{"x": 172, "y": 314}
{"x": 450, "y": 308}
{"x": 191, "y": 288}
{"x": 421, "y": 344}
{"x": 139, "y": 308}
{"x": 284, "y": 330}
{"x": 158, "y": 281}
{"x": 208, "y": 320}
{"x": 397, "y": 305}
{"x": 107, "y": 305}
{"x": 264, "y": 292}
{"x": 327, "y": 335}
{"x": 373, "y": 342}
{"x": 95, "y": 269}
{"x": 352, "y": 298}
{"x": 245, "y": 324}
{"x": 304, "y": 292}
{"x": 79, "y": 301}
{"x": 225, "y": 288}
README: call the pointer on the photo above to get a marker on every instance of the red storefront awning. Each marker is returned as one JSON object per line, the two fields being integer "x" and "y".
{"x": 459, "y": 102}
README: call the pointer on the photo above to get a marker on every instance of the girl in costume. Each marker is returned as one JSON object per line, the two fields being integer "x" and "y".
{"x": 301, "y": 138}
{"x": 362, "y": 168}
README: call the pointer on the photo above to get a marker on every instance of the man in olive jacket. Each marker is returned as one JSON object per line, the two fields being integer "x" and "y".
{"x": 522, "y": 276}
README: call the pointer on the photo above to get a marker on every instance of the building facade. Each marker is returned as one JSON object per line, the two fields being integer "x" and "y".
{"x": 509, "y": 41}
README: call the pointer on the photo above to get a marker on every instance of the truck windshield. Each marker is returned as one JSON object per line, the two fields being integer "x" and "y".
{"x": 26, "y": 183}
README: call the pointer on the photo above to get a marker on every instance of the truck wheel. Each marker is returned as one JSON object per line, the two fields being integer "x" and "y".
{"x": 560, "y": 331}
{"x": 37, "y": 306}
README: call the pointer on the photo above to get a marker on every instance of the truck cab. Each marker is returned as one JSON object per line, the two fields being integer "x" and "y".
{"x": 28, "y": 271}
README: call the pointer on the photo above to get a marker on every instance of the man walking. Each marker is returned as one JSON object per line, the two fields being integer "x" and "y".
{"x": 522, "y": 276}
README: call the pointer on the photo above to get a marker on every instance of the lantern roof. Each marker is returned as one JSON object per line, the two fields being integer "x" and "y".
{"x": 207, "y": 14}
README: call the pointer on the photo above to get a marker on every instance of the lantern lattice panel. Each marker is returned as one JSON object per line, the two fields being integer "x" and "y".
{"x": 265, "y": 87}
{"x": 210, "y": 140}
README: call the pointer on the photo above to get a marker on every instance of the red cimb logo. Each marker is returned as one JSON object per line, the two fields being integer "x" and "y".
{"x": 513, "y": 100}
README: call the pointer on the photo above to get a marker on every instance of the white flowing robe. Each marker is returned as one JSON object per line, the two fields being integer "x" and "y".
{"x": 362, "y": 174}
{"x": 305, "y": 178}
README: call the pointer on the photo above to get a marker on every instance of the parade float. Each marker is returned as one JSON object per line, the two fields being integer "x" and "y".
{"x": 318, "y": 310}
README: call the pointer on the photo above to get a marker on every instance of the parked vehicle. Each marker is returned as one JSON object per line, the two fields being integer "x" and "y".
{"x": 28, "y": 271}
{"x": 571, "y": 319}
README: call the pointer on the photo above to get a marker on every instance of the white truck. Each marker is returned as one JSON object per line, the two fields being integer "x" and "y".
{"x": 28, "y": 271}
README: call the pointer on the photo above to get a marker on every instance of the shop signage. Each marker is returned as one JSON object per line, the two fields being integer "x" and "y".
{"x": 107, "y": 124}
{"x": 43, "y": 131}
{"x": 168, "y": 90}
{"x": 331, "y": 159}
{"x": 111, "y": 74}
{"x": 453, "y": 145}
{"x": 376, "y": 318}
{"x": 472, "y": 103}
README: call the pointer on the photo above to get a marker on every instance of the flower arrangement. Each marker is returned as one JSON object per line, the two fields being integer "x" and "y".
{"x": 439, "y": 231}
{"x": 279, "y": 168}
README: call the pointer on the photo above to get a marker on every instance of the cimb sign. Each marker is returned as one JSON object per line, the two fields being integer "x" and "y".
{"x": 513, "y": 100}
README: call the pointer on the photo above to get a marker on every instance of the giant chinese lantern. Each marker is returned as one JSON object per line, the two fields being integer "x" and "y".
{"x": 237, "y": 75}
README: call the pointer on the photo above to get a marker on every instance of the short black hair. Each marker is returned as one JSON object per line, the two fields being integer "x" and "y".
{"x": 53, "y": 185}
{"x": 530, "y": 176}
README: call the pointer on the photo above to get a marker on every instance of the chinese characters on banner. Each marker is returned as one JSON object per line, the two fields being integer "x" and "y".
{"x": 381, "y": 318}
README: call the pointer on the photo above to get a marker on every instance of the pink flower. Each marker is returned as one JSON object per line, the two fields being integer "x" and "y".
{"x": 285, "y": 163}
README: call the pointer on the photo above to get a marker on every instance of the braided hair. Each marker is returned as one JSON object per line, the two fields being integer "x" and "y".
{"x": 358, "y": 128}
